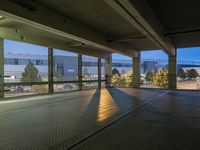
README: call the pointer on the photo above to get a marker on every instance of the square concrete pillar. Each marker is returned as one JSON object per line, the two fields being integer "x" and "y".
{"x": 80, "y": 76}
{"x": 109, "y": 69}
{"x": 99, "y": 73}
{"x": 50, "y": 69}
{"x": 172, "y": 78}
{"x": 136, "y": 69}
{"x": 1, "y": 68}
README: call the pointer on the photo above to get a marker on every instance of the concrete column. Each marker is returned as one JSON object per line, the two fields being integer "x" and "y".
{"x": 80, "y": 63}
{"x": 99, "y": 73}
{"x": 50, "y": 69}
{"x": 172, "y": 72}
{"x": 136, "y": 69}
{"x": 109, "y": 69}
{"x": 1, "y": 68}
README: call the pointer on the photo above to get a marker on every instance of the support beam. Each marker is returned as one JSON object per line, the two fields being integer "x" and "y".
{"x": 99, "y": 73}
{"x": 50, "y": 69}
{"x": 80, "y": 74}
{"x": 125, "y": 38}
{"x": 29, "y": 37}
{"x": 1, "y": 68}
{"x": 136, "y": 70}
{"x": 45, "y": 19}
{"x": 141, "y": 16}
{"x": 172, "y": 72}
{"x": 109, "y": 69}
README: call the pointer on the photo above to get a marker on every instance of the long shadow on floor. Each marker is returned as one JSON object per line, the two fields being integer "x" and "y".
{"x": 153, "y": 127}
{"x": 107, "y": 102}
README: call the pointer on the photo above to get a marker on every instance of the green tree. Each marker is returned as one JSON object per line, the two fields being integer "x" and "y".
{"x": 31, "y": 74}
{"x": 115, "y": 79}
{"x": 125, "y": 80}
{"x": 123, "y": 71}
{"x": 129, "y": 78}
{"x": 160, "y": 79}
{"x": 115, "y": 71}
{"x": 192, "y": 73}
{"x": 58, "y": 76}
{"x": 149, "y": 76}
{"x": 86, "y": 74}
{"x": 39, "y": 89}
{"x": 182, "y": 74}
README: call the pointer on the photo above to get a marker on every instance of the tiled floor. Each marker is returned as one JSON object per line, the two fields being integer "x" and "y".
{"x": 170, "y": 123}
{"x": 107, "y": 119}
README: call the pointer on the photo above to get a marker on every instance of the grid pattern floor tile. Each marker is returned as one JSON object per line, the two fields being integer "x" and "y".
{"x": 60, "y": 121}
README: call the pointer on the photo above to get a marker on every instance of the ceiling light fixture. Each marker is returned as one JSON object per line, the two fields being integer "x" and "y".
{"x": 76, "y": 44}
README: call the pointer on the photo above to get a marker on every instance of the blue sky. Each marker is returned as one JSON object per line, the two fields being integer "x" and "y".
{"x": 192, "y": 54}
{"x": 24, "y": 48}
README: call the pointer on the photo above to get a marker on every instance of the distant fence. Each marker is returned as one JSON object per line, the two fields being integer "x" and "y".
{"x": 179, "y": 62}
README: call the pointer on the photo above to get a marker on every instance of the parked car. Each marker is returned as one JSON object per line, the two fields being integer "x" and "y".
{"x": 68, "y": 86}
{"x": 19, "y": 89}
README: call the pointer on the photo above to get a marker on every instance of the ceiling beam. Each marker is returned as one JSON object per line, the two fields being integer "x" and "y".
{"x": 125, "y": 38}
{"x": 183, "y": 32}
{"x": 45, "y": 19}
{"x": 141, "y": 16}
{"x": 26, "y": 36}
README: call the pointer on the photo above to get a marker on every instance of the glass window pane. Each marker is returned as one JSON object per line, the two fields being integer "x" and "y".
{"x": 154, "y": 69}
{"x": 90, "y": 68}
{"x": 21, "y": 90}
{"x": 65, "y": 66}
{"x": 103, "y": 69}
{"x": 90, "y": 85}
{"x": 188, "y": 68}
{"x": 65, "y": 87}
{"x": 122, "y": 70}
{"x": 20, "y": 62}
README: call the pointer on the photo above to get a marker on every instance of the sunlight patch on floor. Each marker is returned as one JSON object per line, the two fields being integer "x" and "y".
{"x": 107, "y": 106}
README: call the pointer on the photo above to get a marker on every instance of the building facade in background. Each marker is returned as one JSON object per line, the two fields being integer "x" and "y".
{"x": 66, "y": 66}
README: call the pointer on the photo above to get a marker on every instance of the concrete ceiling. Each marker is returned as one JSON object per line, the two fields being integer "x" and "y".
{"x": 122, "y": 26}
{"x": 100, "y": 16}
{"x": 177, "y": 15}
{"x": 94, "y": 13}
{"x": 180, "y": 19}
{"x": 14, "y": 30}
